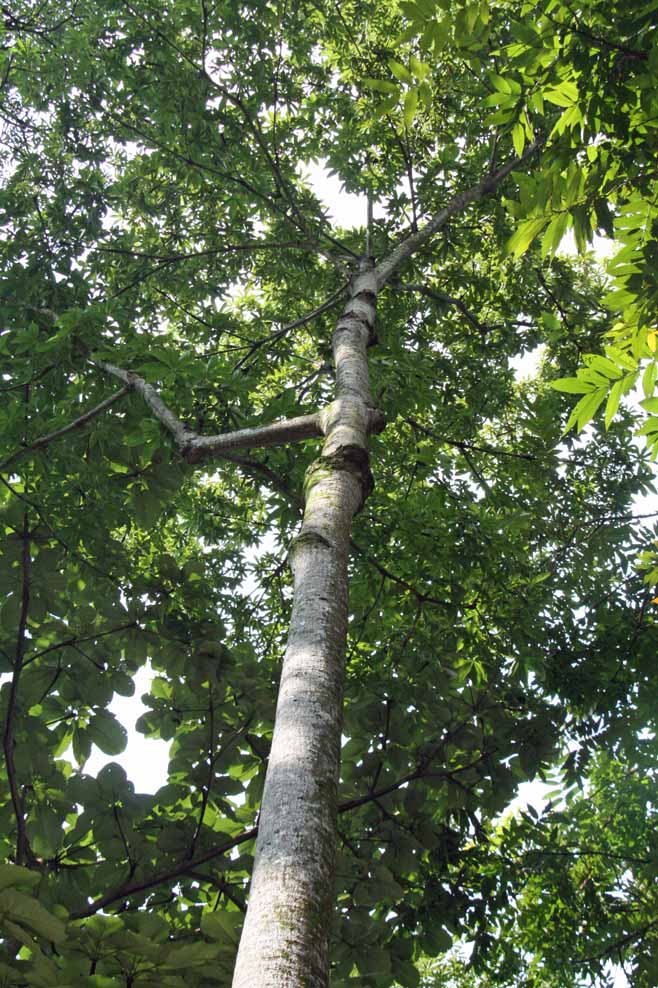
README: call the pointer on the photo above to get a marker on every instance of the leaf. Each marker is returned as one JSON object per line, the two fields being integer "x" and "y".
{"x": 23, "y": 909}
{"x": 373, "y": 961}
{"x": 222, "y": 925}
{"x": 649, "y": 379}
{"x": 107, "y": 733}
{"x": 586, "y": 409}
{"x": 613, "y": 402}
{"x": 189, "y": 955}
{"x": 604, "y": 366}
{"x": 10, "y": 613}
{"x": 554, "y": 233}
{"x": 382, "y": 86}
{"x": 11, "y": 875}
{"x": 524, "y": 235}
{"x": 399, "y": 71}
{"x": 566, "y": 94}
{"x": 502, "y": 85}
{"x": 649, "y": 427}
{"x": 518, "y": 138}
{"x": 573, "y": 385}
{"x": 410, "y": 105}
{"x": 619, "y": 357}
{"x": 419, "y": 69}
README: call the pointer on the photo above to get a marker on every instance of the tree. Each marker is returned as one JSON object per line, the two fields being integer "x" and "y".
{"x": 159, "y": 232}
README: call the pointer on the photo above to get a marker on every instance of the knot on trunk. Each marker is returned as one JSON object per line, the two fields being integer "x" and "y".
{"x": 354, "y": 459}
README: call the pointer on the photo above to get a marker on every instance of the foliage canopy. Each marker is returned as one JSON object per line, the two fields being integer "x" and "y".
{"x": 156, "y": 219}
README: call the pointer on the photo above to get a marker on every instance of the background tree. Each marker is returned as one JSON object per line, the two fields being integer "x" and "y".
{"x": 158, "y": 231}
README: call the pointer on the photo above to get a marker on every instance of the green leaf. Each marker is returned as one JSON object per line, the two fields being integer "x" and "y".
{"x": 649, "y": 379}
{"x": 11, "y": 875}
{"x": 410, "y": 105}
{"x": 373, "y": 962}
{"x": 189, "y": 955}
{"x": 524, "y": 235}
{"x": 554, "y": 233}
{"x": 566, "y": 94}
{"x": 621, "y": 358}
{"x": 10, "y": 613}
{"x": 649, "y": 427}
{"x": 21, "y": 908}
{"x": 588, "y": 406}
{"x": 419, "y": 69}
{"x": 107, "y": 733}
{"x": 222, "y": 925}
{"x": 399, "y": 71}
{"x": 518, "y": 138}
{"x": 382, "y": 86}
{"x": 613, "y": 402}
{"x": 573, "y": 385}
{"x": 604, "y": 366}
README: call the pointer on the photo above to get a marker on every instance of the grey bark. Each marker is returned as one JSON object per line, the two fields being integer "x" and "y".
{"x": 284, "y": 943}
{"x": 195, "y": 448}
{"x": 285, "y": 940}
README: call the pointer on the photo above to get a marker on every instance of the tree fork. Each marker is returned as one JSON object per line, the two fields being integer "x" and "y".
{"x": 285, "y": 939}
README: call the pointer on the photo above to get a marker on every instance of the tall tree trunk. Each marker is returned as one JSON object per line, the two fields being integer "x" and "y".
{"x": 285, "y": 939}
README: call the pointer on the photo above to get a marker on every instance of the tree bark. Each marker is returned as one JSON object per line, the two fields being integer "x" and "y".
{"x": 284, "y": 943}
{"x": 285, "y": 940}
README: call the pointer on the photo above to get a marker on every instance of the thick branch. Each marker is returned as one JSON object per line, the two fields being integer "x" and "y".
{"x": 195, "y": 448}
{"x": 58, "y": 433}
{"x": 178, "y": 430}
{"x": 389, "y": 265}
{"x": 200, "y": 448}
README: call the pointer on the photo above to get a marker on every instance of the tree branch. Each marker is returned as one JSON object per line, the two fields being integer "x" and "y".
{"x": 195, "y": 448}
{"x": 211, "y": 252}
{"x": 132, "y": 888}
{"x": 389, "y": 265}
{"x": 129, "y": 888}
{"x": 448, "y": 300}
{"x": 275, "y": 434}
{"x": 178, "y": 430}
{"x": 8, "y": 736}
{"x": 302, "y": 321}
{"x": 463, "y": 445}
{"x": 58, "y": 433}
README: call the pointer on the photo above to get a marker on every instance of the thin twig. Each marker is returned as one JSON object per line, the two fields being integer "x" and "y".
{"x": 302, "y": 321}
{"x": 448, "y": 300}
{"x": 414, "y": 241}
{"x": 58, "y": 433}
